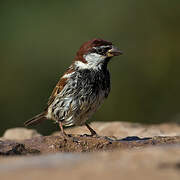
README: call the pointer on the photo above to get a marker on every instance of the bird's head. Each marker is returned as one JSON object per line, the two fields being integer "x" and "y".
{"x": 95, "y": 53}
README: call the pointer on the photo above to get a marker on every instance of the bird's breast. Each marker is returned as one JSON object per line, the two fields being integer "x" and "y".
{"x": 83, "y": 93}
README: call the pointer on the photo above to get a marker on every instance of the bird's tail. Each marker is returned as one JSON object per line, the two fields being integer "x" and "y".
{"x": 36, "y": 119}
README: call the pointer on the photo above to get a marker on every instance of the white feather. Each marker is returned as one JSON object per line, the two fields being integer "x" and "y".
{"x": 94, "y": 61}
{"x": 68, "y": 75}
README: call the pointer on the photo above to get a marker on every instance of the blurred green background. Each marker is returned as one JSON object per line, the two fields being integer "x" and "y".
{"x": 38, "y": 40}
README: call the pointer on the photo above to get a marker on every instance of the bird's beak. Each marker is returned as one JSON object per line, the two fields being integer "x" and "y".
{"x": 114, "y": 51}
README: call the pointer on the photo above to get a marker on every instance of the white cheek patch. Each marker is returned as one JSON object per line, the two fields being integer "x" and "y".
{"x": 94, "y": 61}
{"x": 93, "y": 57}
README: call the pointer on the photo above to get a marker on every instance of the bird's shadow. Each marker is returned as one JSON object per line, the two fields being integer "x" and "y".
{"x": 128, "y": 139}
{"x": 134, "y": 138}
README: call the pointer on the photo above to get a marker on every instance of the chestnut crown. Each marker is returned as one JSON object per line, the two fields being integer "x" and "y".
{"x": 96, "y": 49}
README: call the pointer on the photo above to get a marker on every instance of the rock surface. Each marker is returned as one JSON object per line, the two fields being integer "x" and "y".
{"x": 117, "y": 129}
{"x": 20, "y": 133}
{"x": 162, "y": 163}
{"x": 128, "y": 151}
{"x": 76, "y": 143}
{"x": 123, "y": 129}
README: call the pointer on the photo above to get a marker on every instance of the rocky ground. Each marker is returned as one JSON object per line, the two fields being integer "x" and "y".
{"x": 122, "y": 150}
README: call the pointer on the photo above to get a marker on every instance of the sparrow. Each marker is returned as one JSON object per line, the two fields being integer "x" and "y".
{"x": 82, "y": 88}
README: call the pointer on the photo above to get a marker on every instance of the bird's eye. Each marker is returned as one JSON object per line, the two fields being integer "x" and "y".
{"x": 99, "y": 51}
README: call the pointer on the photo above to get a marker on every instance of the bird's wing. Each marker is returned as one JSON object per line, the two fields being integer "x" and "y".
{"x": 59, "y": 86}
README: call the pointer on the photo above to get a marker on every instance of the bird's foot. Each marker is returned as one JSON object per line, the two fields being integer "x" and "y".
{"x": 92, "y": 131}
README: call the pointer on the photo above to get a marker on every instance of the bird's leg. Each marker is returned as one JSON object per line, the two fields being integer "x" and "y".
{"x": 62, "y": 129}
{"x": 93, "y": 132}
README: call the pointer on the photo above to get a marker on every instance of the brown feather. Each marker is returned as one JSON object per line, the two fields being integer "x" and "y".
{"x": 60, "y": 85}
{"x": 36, "y": 119}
